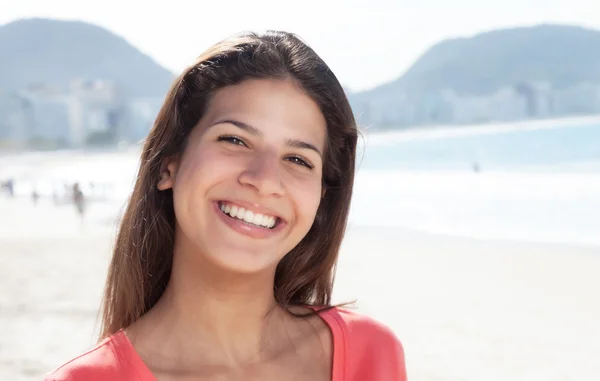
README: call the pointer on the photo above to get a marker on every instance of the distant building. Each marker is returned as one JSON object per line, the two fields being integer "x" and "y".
{"x": 90, "y": 112}
{"x": 96, "y": 113}
{"x": 141, "y": 114}
{"x": 506, "y": 105}
{"x": 13, "y": 125}
{"x": 525, "y": 100}
{"x": 45, "y": 113}
{"x": 580, "y": 99}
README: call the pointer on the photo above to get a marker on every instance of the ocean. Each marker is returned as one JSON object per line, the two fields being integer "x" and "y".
{"x": 537, "y": 182}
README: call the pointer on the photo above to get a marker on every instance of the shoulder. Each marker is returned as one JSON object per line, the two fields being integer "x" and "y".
{"x": 365, "y": 329}
{"x": 102, "y": 362}
{"x": 372, "y": 349}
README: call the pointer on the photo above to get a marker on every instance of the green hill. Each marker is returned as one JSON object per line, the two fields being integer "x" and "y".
{"x": 55, "y": 52}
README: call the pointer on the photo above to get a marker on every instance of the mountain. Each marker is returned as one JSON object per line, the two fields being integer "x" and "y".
{"x": 559, "y": 55}
{"x": 54, "y": 52}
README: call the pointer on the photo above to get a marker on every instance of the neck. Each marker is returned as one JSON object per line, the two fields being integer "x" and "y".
{"x": 233, "y": 318}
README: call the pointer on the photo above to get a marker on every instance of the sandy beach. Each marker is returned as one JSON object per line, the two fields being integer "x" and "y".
{"x": 464, "y": 309}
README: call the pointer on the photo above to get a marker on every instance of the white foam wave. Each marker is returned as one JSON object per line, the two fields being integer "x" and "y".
{"x": 516, "y": 206}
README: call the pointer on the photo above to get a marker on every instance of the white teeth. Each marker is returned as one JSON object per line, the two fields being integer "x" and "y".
{"x": 240, "y": 213}
{"x": 248, "y": 216}
{"x": 263, "y": 221}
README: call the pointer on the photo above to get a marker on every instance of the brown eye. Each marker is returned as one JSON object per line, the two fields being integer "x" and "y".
{"x": 300, "y": 161}
{"x": 235, "y": 140}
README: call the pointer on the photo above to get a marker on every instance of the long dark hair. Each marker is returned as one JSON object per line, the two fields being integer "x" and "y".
{"x": 143, "y": 254}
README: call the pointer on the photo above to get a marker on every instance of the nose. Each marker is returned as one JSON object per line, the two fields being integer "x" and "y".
{"x": 263, "y": 173}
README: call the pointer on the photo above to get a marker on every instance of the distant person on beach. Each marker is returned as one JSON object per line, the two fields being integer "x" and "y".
{"x": 224, "y": 261}
{"x": 78, "y": 200}
{"x": 9, "y": 187}
{"x": 35, "y": 196}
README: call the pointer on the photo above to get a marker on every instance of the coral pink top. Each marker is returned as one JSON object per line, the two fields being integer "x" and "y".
{"x": 363, "y": 349}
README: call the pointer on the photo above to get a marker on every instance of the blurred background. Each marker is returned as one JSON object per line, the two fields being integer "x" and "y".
{"x": 475, "y": 224}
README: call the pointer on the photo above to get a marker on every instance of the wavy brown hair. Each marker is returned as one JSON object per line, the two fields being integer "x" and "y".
{"x": 143, "y": 253}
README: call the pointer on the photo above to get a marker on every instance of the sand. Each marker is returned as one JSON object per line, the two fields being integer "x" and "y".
{"x": 464, "y": 309}
{"x": 471, "y": 310}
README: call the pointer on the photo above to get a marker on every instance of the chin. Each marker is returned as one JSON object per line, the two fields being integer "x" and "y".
{"x": 244, "y": 261}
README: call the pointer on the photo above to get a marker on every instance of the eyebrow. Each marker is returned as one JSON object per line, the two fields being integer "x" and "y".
{"x": 256, "y": 132}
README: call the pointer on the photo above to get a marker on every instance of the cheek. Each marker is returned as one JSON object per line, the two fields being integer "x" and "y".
{"x": 199, "y": 169}
{"x": 308, "y": 198}
{"x": 194, "y": 178}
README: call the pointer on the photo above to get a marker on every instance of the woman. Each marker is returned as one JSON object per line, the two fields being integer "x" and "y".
{"x": 223, "y": 266}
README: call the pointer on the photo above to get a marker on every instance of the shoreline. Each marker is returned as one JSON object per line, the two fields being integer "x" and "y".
{"x": 423, "y": 234}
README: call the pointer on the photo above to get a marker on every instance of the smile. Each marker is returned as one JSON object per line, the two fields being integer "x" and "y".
{"x": 248, "y": 216}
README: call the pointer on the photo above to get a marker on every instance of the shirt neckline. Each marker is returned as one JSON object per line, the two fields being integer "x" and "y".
{"x": 329, "y": 316}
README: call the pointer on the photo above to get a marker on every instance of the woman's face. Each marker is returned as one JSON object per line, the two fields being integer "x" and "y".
{"x": 248, "y": 185}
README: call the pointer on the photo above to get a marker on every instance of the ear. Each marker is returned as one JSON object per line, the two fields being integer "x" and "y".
{"x": 168, "y": 170}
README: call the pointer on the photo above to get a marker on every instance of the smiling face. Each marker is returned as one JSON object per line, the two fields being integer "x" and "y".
{"x": 248, "y": 185}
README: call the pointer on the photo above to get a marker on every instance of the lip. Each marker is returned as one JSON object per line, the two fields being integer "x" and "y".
{"x": 246, "y": 229}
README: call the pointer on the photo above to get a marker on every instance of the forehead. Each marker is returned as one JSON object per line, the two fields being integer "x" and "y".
{"x": 274, "y": 106}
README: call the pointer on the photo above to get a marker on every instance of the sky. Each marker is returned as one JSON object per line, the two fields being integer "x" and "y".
{"x": 366, "y": 43}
